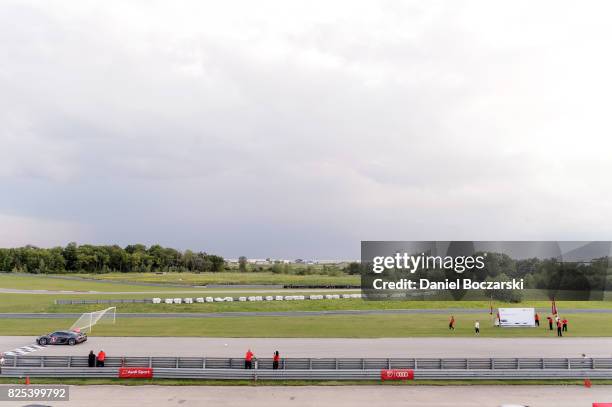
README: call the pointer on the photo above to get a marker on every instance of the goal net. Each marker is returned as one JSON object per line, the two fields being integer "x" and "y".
{"x": 86, "y": 322}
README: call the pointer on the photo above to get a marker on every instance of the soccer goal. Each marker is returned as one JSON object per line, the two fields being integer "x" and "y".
{"x": 86, "y": 322}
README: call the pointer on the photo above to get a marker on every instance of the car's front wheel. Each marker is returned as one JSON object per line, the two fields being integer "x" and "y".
{"x": 71, "y": 341}
{"x": 42, "y": 341}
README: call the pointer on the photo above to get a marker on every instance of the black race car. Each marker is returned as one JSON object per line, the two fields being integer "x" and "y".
{"x": 62, "y": 338}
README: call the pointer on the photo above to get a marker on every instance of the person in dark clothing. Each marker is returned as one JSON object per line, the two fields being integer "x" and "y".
{"x": 559, "y": 327}
{"x": 451, "y": 323}
{"x": 91, "y": 359}
{"x": 537, "y": 319}
{"x": 275, "y": 360}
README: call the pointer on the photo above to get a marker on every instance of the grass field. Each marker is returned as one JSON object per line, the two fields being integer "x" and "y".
{"x": 45, "y": 303}
{"x": 43, "y": 282}
{"x": 117, "y": 282}
{"x": 228, "y": 278}
{"x": 195, "y": 382}
{"x": 329, "y": 326}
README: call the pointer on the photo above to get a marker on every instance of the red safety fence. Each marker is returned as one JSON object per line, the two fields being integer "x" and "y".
{"x": 397, "y": 374}
{"x": 602, "y": 404}
{"x": 135, "y": 373}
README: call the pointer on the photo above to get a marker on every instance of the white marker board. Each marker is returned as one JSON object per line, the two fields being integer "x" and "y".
{"x": 517, "y": 317}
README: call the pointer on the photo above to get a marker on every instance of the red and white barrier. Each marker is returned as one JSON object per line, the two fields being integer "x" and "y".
{"x": 396, "y": 374}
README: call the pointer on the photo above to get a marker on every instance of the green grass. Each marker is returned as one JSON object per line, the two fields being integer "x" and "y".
{"x": 229, "y": 278}
{"x": 119, "y": 282}
{"x": 196, "y": 382}
{"x": 43, "y": 282}
{"x": 307, "y": 305}
{"x": 45, "y": 303}
{"x": 328, "y": 326}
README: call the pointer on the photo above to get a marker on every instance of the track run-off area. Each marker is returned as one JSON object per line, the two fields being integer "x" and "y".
{"x": 328, "y": 347}
{"x": 339, "y": 396}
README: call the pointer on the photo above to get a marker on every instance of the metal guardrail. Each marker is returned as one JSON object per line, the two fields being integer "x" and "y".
{"x": 299, "y": 374}
{"x": 335, "y": 364}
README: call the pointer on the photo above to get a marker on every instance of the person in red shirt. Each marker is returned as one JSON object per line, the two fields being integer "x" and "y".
{"x": 451, "y": 323}
{"x": 537, "y": 319}
{"x": 559, "y": 327}
{"x": 100, "y": 359}
{"x": 275, "y": 360}
{"x": 564, "y": 322}
{"x": 248, "y": 360}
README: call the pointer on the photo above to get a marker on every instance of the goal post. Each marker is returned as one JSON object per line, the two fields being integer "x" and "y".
{"x": 87, "y": 321}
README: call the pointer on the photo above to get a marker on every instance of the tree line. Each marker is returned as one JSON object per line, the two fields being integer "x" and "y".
{"x": 105, "y": 259}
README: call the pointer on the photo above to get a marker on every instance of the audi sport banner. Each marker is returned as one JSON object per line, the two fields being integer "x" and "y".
{"x": 485, "y": 270}
{"x": 135, "y": 373}
{"x": 397, "y": 374}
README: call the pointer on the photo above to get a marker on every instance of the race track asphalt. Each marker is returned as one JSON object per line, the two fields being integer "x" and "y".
{"x": 338, "y": 396}
{"x": 327, "y": 347}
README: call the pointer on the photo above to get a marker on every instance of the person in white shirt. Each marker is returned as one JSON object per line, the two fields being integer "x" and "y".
{"x": 477, "y": 327}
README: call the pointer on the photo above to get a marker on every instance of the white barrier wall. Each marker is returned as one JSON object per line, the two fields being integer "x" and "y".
{"x": 512, "y": 311}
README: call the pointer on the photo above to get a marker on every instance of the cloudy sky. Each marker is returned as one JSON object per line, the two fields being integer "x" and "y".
{"x": 297, "y": 129}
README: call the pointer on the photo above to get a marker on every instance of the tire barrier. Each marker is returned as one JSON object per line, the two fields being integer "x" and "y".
{"x": 190, "y": 300}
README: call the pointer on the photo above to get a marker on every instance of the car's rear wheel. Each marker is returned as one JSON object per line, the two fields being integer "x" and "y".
{"x": 71, "y": 341}
{"x": 42, "y": 341}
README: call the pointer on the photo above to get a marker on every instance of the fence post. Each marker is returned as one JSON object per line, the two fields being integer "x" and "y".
{"x": 492, "y": 364}
{"x": 150, "y": 361}
{"x": 177, "y": 363}
{"x": 569, "y": 363}
{"x": 69, "y": 361}
{"x": 42, "y": 361}
{"x": 309, "y": 363}
{"x": 416, "y": 363}
{"x": 204, "y": 363}
{"x": 336, "y": 363}
{"x": 389, "y": 363}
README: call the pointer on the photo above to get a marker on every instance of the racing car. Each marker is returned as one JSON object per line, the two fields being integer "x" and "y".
{"x": 62, "y": 338}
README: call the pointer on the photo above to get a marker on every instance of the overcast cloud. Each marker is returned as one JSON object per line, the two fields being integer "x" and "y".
{"x": 297, "y": 129}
